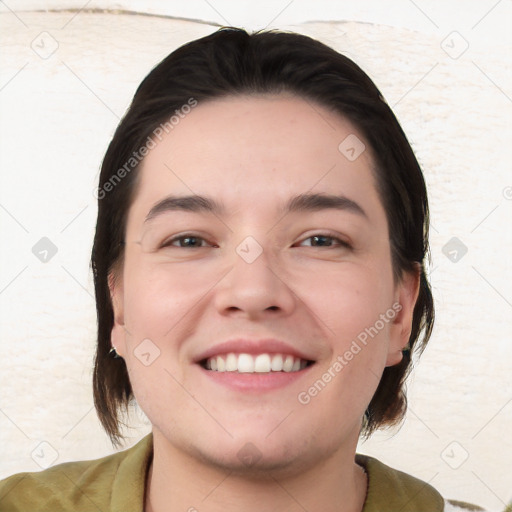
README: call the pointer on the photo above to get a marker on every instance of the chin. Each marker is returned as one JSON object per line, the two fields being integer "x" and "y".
{"x": 257, "y": 457}
{"x": 249, "y": 461}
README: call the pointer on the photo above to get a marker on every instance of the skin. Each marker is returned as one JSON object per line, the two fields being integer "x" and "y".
{"x": 252, "y": 154}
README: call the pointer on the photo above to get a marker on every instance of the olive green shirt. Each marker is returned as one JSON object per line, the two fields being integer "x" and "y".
{"x": 116, "y": 483}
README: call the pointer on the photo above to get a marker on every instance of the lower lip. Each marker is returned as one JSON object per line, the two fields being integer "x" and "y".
{"x": 257, "y": 382}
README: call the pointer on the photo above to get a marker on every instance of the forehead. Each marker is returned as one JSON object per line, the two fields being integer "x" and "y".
{"x": 251, "y": 150}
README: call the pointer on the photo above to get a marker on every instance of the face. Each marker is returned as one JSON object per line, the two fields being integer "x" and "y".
{"x": 256, "y": 307}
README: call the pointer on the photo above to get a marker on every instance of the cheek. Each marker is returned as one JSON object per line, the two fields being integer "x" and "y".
{"x": 159, "y": 295}
{"x": 352, "y": 304}
{"x": 348, "y": 300}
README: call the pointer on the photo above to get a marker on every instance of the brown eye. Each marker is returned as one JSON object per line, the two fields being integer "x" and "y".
{"x": 186, "y": 242}
{"x": 190, "y": 241}
{"x": 324, "y": 241}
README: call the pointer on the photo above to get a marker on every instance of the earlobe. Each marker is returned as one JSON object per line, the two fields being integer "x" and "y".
{"x": 407, "y": 295}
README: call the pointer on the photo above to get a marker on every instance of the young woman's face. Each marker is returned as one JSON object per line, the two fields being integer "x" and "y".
{"x": 257, "y": 244}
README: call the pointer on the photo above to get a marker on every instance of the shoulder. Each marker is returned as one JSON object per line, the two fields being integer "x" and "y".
{"x": 396, "y": 490}
{"x": 77, "y": 486}
{"x": 60, "y": 486}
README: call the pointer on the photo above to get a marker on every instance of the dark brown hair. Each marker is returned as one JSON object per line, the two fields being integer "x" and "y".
{"x": 232, "y": 62}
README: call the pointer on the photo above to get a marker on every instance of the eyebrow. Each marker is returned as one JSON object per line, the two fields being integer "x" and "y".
{"x": 192, "y": 203}
{"x": 297, "y": 204}
{"x": 317, "y": 202}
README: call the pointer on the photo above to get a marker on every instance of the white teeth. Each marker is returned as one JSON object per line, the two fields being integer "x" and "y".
{"x": 288, "y": 364}
{"x": 277, "y": 363}
{"x": 245, "y": 363}
{"x": 231, "y": 363}
{"x": 262, "y": 363}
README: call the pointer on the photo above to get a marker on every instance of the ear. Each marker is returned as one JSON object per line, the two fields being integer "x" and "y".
{"x": 117, "y": 337}
{"x": 406, "y": 295}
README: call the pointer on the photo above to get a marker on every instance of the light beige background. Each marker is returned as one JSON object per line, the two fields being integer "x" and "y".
{"x": 59, "y": 111}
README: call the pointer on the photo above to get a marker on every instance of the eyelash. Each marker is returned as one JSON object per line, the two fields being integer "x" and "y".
{"x": 339, "y": 241}
{"x": 169, "y": 242}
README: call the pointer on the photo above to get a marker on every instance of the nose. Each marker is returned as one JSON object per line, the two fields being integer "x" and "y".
{"x": 255, "y": 289}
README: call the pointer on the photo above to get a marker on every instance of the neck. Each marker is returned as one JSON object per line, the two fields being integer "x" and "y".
{"x": 178, "y": 482}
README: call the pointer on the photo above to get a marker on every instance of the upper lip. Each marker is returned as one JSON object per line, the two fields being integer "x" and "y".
{"x": 246, "y": 346}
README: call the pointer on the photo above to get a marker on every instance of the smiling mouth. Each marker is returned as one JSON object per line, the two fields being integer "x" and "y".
{"x": 260, "y": 363}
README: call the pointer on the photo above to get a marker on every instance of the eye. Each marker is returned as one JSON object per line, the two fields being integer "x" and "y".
{"x": 320, "y": 240}
{"x": 187, "y": 241}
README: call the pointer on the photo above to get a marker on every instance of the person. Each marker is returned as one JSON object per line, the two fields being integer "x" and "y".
{"x": 259, "y": 267}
